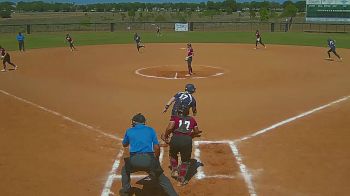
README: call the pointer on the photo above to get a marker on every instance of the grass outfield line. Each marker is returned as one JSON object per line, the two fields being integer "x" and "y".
{"x": 49, "y": 40}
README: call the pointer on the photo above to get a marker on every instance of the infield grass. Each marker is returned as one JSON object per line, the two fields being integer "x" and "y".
{"x": 57, "y": 39}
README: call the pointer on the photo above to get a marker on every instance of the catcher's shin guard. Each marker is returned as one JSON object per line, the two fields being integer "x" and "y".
{"x": 173, "y": 163}
{"x": 183, "y": 170}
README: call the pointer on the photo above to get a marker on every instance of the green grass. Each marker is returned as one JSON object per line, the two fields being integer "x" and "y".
{"x": 48, "y": 40}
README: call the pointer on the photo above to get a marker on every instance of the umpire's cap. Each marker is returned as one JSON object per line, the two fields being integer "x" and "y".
{"x": 190, "y": 88}
{"x": 139, "y": 118}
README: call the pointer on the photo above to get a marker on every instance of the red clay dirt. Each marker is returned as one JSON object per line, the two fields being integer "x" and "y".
{"x": 42, "y": 153}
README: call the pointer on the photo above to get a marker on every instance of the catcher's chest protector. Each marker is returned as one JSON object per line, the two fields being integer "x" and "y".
{"x": 184, "y": 125}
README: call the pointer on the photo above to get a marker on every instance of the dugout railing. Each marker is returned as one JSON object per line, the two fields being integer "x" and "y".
{"x": 169, "y": 26}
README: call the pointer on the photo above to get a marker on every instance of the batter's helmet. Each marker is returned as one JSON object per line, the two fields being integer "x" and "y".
{"x": 190, "y": 88}
{"x": 138, "y": 119}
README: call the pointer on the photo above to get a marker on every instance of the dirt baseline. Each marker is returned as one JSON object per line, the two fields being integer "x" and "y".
{"x": 62, "y": 110}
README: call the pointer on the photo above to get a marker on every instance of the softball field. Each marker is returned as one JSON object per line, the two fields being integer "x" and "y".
{"x": 276, "y": 121}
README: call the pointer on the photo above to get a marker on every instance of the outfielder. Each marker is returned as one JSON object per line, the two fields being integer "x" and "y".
{"x": 188, "y": 58}
{"x": 183, "y": 129}
{"x": 184, "y": 98}
{"x": 258, "y": 39}
{"x": 331, "y": 45}
{"x": 6, "y": 58}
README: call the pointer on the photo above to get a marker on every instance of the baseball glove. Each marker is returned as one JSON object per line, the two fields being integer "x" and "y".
{"x": 186, "y": 58}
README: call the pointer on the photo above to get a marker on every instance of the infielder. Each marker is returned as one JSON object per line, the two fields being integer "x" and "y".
{"x": 188, "y": 58}
{"x": 258, "y": 39}
{"x": 331, "y": 45}
{"x": 184, "y": 98}
{"x": 70, "y": 41}
{"x": 183, "y": 129}
{"x": 6, "y": 58}
{"x": 137, "y": 39}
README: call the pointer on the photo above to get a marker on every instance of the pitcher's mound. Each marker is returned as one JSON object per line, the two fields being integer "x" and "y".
{"x": 173, "y": 72}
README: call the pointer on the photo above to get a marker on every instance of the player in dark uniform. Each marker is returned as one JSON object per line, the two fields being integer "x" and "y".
{"x": 158, "y": 30}
{"x": 6, "y": 58}
{"x": 258, "y": 39}
{"x": 183, "y": 129}
{"x": 70, "y": 41}
{"x": 183, "y": 98}
{"x": 189, "y": 59}
{"x": 331, "y": 45}
{"x": 139, "y": 44}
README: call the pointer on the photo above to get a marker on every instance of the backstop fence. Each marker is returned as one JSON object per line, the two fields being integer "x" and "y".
{"x": 169, "y": 26}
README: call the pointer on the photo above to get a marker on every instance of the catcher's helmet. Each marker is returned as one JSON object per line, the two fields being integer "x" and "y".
{"x": 138, "y": 119}
{"x": 190, "y": 88}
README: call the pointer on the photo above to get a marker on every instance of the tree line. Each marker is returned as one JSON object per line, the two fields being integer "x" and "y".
{"x": 227, "y": 6}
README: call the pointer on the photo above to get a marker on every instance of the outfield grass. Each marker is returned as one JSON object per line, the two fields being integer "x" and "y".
{"x": 48, "y": 40}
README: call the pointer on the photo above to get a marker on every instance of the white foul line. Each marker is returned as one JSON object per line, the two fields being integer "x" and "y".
{"x": 107, "y": 188}
{"x": 291, "y": 119}
{"x": 62, "y": 116}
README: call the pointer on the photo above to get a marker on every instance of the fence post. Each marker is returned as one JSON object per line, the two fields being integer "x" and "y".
{"x": 272, "y": 27}
{"x": 28, "y": 29}
{"x": 112, "y": 27}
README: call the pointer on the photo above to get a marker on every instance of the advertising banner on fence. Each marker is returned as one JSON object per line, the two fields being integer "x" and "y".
{"x": 181, "y": 26}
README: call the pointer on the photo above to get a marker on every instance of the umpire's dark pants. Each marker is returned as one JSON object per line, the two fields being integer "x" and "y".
{"x": 21, "y": 45}
{"x": 144, "y": 162}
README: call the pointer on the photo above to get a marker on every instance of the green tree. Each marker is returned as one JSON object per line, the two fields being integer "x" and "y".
{"x": 5, "y": 13}
{"x": 131, "y": 14}
{"x": 230, "y": 5}
{"x": 301, "y": 5}
{"x": 252, "y": 13}
{"x": 290, "y": 10}
{"x": 264, "y": 14}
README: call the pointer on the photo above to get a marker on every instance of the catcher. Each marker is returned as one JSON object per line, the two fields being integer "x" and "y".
{"x": 6, "y": 58}
{"x": 182, "y": 128}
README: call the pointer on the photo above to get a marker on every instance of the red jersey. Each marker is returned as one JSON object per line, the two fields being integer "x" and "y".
{"x": 257, "y": 34}
{"x": 189, "y": 51}
{"x": 186, "y": 123}
{"x": 69, "y": 39}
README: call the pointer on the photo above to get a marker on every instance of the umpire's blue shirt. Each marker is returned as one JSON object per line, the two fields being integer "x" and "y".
{"x": 141, "y": 139}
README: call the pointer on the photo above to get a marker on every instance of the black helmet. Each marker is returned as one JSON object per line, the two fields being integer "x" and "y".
{"x": 138, "y": 119}
{"x": 190, "y": 88}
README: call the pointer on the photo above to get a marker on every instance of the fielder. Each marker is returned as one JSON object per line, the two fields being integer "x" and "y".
{"x": 188, "y": 58}
{"x": 70, "y": 41}
{"x": 258, "y": 39}
{"x": 183, "y": 129}
{"x": 137, "y": 39}
{"x": 6, "y": 58}
{"x": 158, "y": 30}
{"x": 331, "y": 45}
{"x": 184, "y": 98}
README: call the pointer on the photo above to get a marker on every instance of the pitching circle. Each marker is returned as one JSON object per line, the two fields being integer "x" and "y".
{"x": 179, "y": 72}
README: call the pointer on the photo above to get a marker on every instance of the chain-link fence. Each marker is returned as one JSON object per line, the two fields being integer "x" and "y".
{"x": 169, "y": 26}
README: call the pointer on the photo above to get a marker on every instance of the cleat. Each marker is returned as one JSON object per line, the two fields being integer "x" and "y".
{"x": 3, "y": 70}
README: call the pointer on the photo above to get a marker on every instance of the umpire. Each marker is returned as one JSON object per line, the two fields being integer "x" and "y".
{"x": 144, "y": 156}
